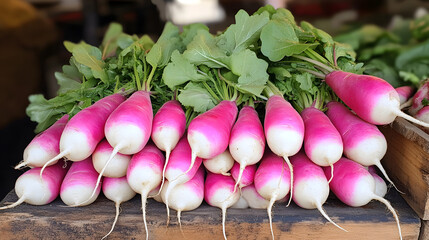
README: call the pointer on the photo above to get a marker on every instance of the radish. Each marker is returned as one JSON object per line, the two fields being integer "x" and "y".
{"x": 322, "y": 141}
{"x": 423, "y": 114}
{"x": 247, "y": 142}
{"x": 219, "y": 192}
{"x": 421, "y": 94}
{"x": 363, "y": 142}
{"x": 44, "y": 146}
{"x": 168, "y": 127}
{"x": 220, "y": 164}
{"x": 79, "y": 183}
{"x": 272, "y": 180}
{"x": 118, "y": 190}
{"x": 380, "y": 184}
{"x": 186, "y": 196}
{"x": 209, "y": 132}
{"x": 85, "y": 130}
{"x": 144, "y": 174}
{"x": 247, "y": 174}
{"x": 178, "y": 170}
{"x": 311, "y": 188}
{"x": 284, "y": 130}
{"x": 32, "y": 189}
{"x": 371, "y": 98}
{"x": 117, "y": 167}
{"x": 355, "y": 186}
{"x": 405, "y": 94}
{"x": 253, "y": 198}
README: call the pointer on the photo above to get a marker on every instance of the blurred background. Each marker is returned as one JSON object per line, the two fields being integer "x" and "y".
{"x": 32, "y": 34}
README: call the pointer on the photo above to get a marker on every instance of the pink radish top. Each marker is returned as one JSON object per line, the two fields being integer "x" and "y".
{"x": 149, "y": 156}
{"x": 360, "y": 92}
{"x": 279, "y": 112}
{"x": 171, "y": 115}
{"x": 196, "y": 183}
{"x": 136, "y": 111}
{"x": 52, "y": 176}
{"x": 318, "y": 129}
{"x": 215, "y": 125}
{"x": 271, "y": 167}
{"x": 109, "y": 182}
{"x": 81, "y": 173}
{"x": 304, "y": 169}
{"x": 248, "y": 174}
{"x": 422, "y": 93}
{"x": 248, "y": 125}
{"x": 49, "y": 139}
{"x": 347, "y": 175}
{"x": 91, "y": 120}
{"x": 405, "y": 93}
{"x": 353, "y": 130}
{"x": 215, "y": 182}
{"x": 180, "y": 159}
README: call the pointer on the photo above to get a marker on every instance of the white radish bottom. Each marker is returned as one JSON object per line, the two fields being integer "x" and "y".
{"x": 220, "y": 164}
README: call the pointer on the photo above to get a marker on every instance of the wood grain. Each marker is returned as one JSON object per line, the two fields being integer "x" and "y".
{"x": 55, "y": 221}
{"x": 407, "y": 163}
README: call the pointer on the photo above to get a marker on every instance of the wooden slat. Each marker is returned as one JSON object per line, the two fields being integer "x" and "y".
{"x": 407, "y": 163}
{"x": 54, "y": 221}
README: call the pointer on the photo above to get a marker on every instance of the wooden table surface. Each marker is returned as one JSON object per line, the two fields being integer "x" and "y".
{"x": 55, "y": 221}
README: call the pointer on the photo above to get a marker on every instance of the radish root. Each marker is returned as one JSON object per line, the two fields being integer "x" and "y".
{"x": 117, "y": 204}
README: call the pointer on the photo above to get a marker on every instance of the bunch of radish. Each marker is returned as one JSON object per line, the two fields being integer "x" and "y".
{"x": 229, "y": 136}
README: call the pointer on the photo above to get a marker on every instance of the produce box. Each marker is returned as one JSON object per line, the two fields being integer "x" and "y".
{"x": 93, "y": 221}
{"x": 407, "y": 163}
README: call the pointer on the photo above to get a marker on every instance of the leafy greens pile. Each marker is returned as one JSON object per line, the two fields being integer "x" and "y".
{"x": 258, "y": 55}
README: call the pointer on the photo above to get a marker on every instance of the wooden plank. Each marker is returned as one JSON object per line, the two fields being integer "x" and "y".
{"x": 424, "y": 231}
{"x": 54, "y": 221}
{"x": 407, "y": 163}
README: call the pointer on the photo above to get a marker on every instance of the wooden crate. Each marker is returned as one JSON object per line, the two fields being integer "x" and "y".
{"x": 55, "y": 221}
{"x": 407, "y": 163}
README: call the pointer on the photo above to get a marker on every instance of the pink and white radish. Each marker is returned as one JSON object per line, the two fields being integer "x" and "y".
{"x": 380, "y": 184}
{"x": 247, "y": 141}
{"x": 85, "y": 130}
{"x": 79, "y": 183}
{"x": 423, "y": 114}
{"x": 311, "y": 188}
{"x": 355, "y": 186}
{"x": 405, "y": 94}
{"x": 179, "y": 169}
{"x": 284, "y": 131}
{"x": 168, "y": 127}
{"x": 220, "y": 164}
{"x": 219, "y": 192}
{"x": 118, "y": 190}
{"x": 272, "y": 180}
{"x": 118, "y": 165}
{"x": 253, "y": 198}
{"x": 363, "y": 142}
{"x": 209, "y": 133}
{"x": 322, "y": 141}
{"x": 421, "y": 94}
{"x": 186, "y": 196}
{"x": 32, "y": 189}
{"x": 144, "y": 174}
{"x": 371, "y": 98}
{"x": 44, "y": 146}
{"x": 241, "y": 203}
{"x": 247, "y": 174}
